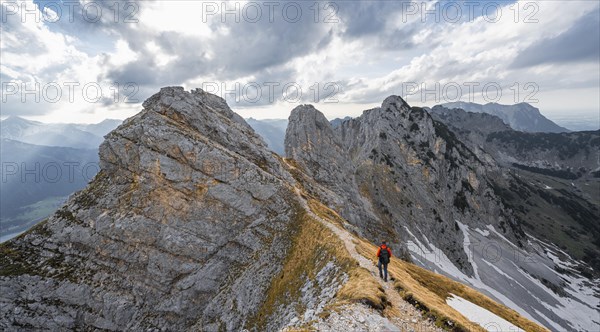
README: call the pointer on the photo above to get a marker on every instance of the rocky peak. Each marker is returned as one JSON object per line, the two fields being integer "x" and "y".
{"x": 409, "y": 176}
{"x": 310, "y": 139}
{"x": 174, "y": 119}
{"x": 187, "y": 217}
{"x": 318, "y": 150}
{"x": 395, "y": 103}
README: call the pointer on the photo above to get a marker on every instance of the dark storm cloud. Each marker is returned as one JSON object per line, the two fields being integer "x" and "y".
{"x": 580, "y": 43}
{"x": 137, "y": 72}
{"x": 363, "y": 18}
{"x": 386, "y": 23}
{"x": 248, "y": 49}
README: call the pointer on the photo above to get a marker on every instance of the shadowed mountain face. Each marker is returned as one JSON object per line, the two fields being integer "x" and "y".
{"x": 552, "y": 181}
{"x": 397, "y": 174}
{"x": 522, "y": 116}
{"x": 193, "y": 223}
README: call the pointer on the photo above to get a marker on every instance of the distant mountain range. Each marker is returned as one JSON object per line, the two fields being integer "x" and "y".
{"x": 80, "y": 136}
{"x": 42, "y": 164}
{"x": 522, "y": 116}
{"x": 568, "y": 155}
{"x": 36, "y": 178}
{"x": 272, "y": 131}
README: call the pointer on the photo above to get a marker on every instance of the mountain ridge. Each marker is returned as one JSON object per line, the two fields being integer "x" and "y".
{"x": 72, "y": 135}
{"x": 194, "y": 223}
{"x": 547, "y": 176}
{"x": 409, "y": 179}
{"x": 521, "y": 116}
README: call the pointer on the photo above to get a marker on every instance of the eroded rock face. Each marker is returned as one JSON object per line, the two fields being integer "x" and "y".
{"x": 186, "y": 225}
{"x": 319, "y": 151}
{"x": 411, "y": 178}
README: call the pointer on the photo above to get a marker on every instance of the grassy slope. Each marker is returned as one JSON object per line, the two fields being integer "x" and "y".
{"x": 423, "y": 288}
{"x": 309, "y": 255}
{"x": 429, "y": 290}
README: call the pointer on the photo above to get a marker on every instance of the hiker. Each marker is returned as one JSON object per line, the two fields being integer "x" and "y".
{"x": 384, "y": 254}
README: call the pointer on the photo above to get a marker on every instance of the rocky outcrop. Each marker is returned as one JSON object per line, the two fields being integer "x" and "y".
{"x": 187, "y": 223}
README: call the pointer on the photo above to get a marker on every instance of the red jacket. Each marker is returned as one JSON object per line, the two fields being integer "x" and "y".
{"x": 383, "y": 247}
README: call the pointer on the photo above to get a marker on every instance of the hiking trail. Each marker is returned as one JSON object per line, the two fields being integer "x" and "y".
{"x": 402, "y": 315}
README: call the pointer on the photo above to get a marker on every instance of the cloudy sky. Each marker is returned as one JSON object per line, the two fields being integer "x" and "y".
{"x": 84, "y": 61}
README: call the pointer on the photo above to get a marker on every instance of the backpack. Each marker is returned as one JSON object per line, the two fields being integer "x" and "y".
{"x": 384, "y": 255}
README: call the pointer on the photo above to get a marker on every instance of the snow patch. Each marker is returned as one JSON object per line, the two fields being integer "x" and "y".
{"x": 576, "y": 310}
{"x": 493, "y": 230}
{"x": 487, "y": 319}
{"x": 443, "y": 265}
{"x": 555, "y": 325}
{"x": 466, "y": 242}
{"x": 484, "y": 232}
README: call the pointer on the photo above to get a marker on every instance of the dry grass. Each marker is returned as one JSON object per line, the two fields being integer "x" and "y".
{"x": 313, "y": 246}
{"x": 428, "y": 291}
{"x": 362, "y": 288}
{"x": 297, "y": 329}
{"x": 324, "y": 212}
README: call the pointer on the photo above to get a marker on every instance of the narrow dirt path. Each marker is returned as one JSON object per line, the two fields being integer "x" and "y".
{"x": 402, "y": 314}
